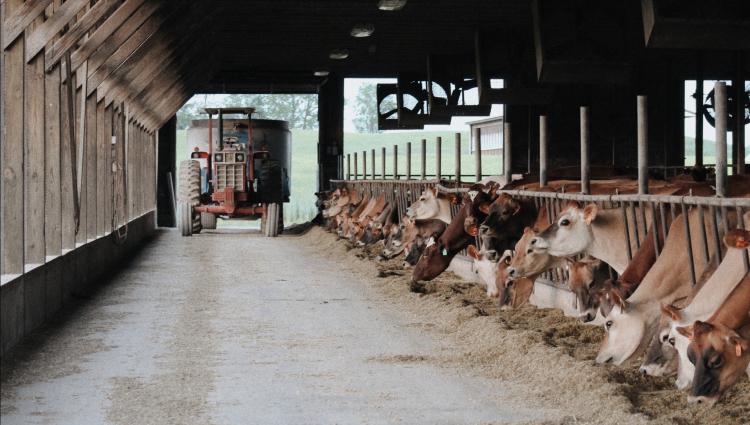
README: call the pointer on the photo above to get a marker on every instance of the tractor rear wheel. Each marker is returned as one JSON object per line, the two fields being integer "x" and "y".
{"x": 273, "y": 213}
{"x": 208, "y": 220}
{"x": 188, "y": 197}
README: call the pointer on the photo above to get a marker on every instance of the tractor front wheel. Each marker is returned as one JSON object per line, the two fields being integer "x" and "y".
{"x": 208, "y": 220}
{"x": 185, "y": 218}
{"x": 270, "y": 225}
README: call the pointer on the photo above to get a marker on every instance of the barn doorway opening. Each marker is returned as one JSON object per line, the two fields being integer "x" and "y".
{"x": 298, "y": 111}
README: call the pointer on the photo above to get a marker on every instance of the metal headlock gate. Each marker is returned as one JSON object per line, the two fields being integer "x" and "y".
{"x": 633, "y": 207}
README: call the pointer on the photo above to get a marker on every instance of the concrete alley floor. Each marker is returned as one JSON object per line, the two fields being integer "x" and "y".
{"x": 241, "y": 329}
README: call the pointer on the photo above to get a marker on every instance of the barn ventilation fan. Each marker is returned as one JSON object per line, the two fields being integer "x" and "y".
{"x": 709, "y": 111}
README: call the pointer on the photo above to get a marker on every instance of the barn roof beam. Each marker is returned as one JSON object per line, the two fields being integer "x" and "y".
{"x": 60, "y": 47}
{"x": 45, "y": 32}
{"x": 20, "y": 18}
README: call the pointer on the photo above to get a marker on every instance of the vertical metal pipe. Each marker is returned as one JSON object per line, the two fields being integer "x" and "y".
{"x": 642, "y": 145}
{"x": 382, "y": 163}
{"x": 356, "y": 166}
{"x": 655, "y": 229}
{"x": 395, "y": 162}
{"x": 457, "y": 155}
{"x": 364, "y": 165}
{"x": 624, "y": 208}
{"x": 720, "y": 108}
{"x": 348, "y": 166}
{"x": 663, "y": 218}
{"x": 543, "y": 143}
{"x": 372, "y": 160}
{"x": 739, "y": 124}
{"x": 507, "y": 153}
{"x": 408, "y": 161}
{"x": 438, "y": 158}
{"x": 424, "y": 159}
{"x": 699, "y": 114}
{"x": 704, "y": 237}
{"x": 686, "y": 220}
{"x": 477, "y": 154}
{"x": 715, "y": 227}
{"x": 741, "y": 225}
{"x": 636, "y": 228}
{"x": 585, "y": 179}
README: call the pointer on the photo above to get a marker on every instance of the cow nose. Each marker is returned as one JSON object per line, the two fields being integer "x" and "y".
{"x": 512, "y": 272}
{"x": 643, "y": 370}
{"x": 483, "y": 229}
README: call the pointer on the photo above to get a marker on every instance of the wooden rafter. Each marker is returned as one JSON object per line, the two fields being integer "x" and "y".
{"x": 42, "y": 35}
{"x": 14, "y": 24}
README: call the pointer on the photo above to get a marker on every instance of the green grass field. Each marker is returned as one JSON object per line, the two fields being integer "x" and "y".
{"x": 305, "y": 161}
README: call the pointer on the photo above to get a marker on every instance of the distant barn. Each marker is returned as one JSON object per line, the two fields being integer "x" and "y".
{"x": 490, "y": 133}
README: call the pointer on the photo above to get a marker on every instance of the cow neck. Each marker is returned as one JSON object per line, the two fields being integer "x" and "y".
{"x": 607, "y": 227}
{"x": 444, "y": 213}
{"x": 723, "y": 281}
{"x": 733, "y": 313}
{"x": 455, "y": 237}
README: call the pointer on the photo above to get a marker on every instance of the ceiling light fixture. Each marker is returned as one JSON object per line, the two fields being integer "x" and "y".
{"x": 339, "y": 54}
{"x": 391, "y": 5}
{"x": 362, "y": 30}
{"x": 321, "y": 73}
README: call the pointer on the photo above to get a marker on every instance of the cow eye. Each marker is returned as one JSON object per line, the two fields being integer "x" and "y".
{"x": 715, "y": 362}
{"x": 564, "y": 222}
{"x": 509, "y": 284}
{"x": 671, "y": 342}
{"x": 664, "y": 338}
{"x": 608, "y": 324}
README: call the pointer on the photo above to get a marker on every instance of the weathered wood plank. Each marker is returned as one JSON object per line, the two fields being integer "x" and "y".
{"x": 80, "y": 99}
{"x": 34, "y": 155}
{"x": 11, "y": 154}
{"x": 114, "y": 41}
{"x": 67, "y": 165}
{"x": 55, "y": 52}
{"x": 44, "y": 33}
{"x": 105, "y": 30}
{"x": 52, "y": 186}
{"x": 143, "y": 33}
{"x": 108, "y": 194}
{"x": 91, "y": 204}
{"x": 16, "y": 21}
{"x": 101, "y": 141}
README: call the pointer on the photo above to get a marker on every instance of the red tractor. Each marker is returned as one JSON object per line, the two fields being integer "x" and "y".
{"x": 234, "y": 178}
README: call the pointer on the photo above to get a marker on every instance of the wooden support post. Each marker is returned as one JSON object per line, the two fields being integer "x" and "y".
{"x": 642, "y": 114}
{"x": 408, "y": 161}
{"x": 372, "y": 160}
{"x": 395, "y": 162}
{"x": 356, "y": 166}
{"x": 507, "y": 153}
{"x": 382, "y": 163}
{"x": 101, "y": 143}
{"x": 720, "y": 108}
{"x": 477, "y": 154}
{"x": 543, "y": 144}
{"x": 457, "y": 155}
{"x": 90, "y": 167}
{"x": 423, "y": 162}
{"x": 364, "y": 165}
{"x": 52, "y": 163}
{"x": 585, "y": 139}
{"x": 348, "y": 166}
{"x": 33, "y": 161}
{"x": 438, "y": 158}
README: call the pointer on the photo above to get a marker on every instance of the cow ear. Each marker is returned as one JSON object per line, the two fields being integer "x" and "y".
{"x": 434, "y": 191}
{"x": 737, "y": 238}
{"x": 740, "y": 344}
{"x": 589, "y": 213}
{"x": 686, "y": 331}
{"x": 671, "y": 311}
{"x": 484, "y": 207}
{"x": 618, "y": 300}
{"x": 453, "y": 198}
{"x": 473, "y": 253}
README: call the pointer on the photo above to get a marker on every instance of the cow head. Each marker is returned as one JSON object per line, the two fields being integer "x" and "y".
{"x": 570, "y": 234}
{"x": 528, "y": 261}
{"x": 720, "y": 357}
{"x": 513, "y": 293}
{"x": 661, "y": 354}
{"x": 434, "y": 260}
{"x": 429, "y": 204}
{"x": 414, "y": 251}
{"x": 485, "y": 268}
{"x": 583, "y": 286}
{"x": 625, "y": 327}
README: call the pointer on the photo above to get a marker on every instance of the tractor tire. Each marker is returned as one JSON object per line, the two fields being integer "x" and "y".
{"x": 272, "y": 216}
{"x": 185, "y": 218}
{"x": 208, "y": 220}
{"x": 188, "y": 193}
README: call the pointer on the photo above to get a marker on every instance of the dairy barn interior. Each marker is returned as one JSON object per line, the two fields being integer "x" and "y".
{"x": 121, "y": 304}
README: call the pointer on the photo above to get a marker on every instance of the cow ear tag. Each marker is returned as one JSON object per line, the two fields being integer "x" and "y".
{"x": 445, "y": 252}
